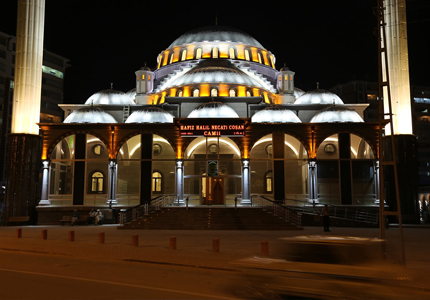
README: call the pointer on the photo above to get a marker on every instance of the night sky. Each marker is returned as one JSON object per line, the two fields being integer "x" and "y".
{"x": 329, "y": 42}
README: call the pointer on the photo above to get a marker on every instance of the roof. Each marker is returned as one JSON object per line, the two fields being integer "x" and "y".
{"x": 151, "y": 114}
{"x": 336, "y": 113}
{"x": 318, "y": 96}
{"x": 90, "y": 114}
{"x": 213, "y": 110}
{"x": 109, "y": 97}
{"x": 275, "y": 114}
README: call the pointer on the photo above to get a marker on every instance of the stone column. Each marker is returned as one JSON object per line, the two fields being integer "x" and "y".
{"x": 313, "y": 197}
{"x": 180, "y": 180}
{"x": 246, "y": 199}
{"x": 376, "y": 172}
{"x": 45, "y": 180}
{"x": 112, "y": 183}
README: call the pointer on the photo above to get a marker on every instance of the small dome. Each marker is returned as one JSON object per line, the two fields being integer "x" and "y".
{"x": 318, "y": 96}
{"x": 336, "y": 114}
{"x": 151, "y": 114}
{"x": 275, "y": 114}
{"x": 90, "y": 114}
{"x": 109, "y": 97}
{"x": 298, "y": 92}
{"x": 213, "y": 110}
{"x": 132, "y": 94}
{"x": 215, "y": 33}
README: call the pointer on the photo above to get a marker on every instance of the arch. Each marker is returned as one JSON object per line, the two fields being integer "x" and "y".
{"x": 171, "y": 57}
{"x": 232, "y": 52}
{"x": 366, "y": 145}
{"x": 200, "y": 142}
{"x": 247, "y": 53}
{"x": 198, "y": 53}
{"x": 294, "y": 147}
{"x": 179, "y": 93}
{"x": 232, "y": 92}
{"x": 97, "y": 182}
{"x": 214, "y": 92}
{"x": 248, "y": 93}
{"x": 260, "y": 58}
{"x": 215, "y": 52}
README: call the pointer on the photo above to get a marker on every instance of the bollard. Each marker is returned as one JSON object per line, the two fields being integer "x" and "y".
{"x": 71, "y": 236}
{"x": 101, "y": 237}
{"x": 135, "y": 240}
{"x": 215, "y": 245}
{"x": 44, "y": 234}
{"x": 265, "y": 248}
{"x": 19, "y": 232}
{"x": 173, "y": 243}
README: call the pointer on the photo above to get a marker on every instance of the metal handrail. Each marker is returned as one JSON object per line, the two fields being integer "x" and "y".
{"x": 277, "y": 209}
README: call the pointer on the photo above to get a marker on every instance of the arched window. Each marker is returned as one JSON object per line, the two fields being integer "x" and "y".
{"x": 157, "y": 180}
{"x": 196, "y": 93}
{"x": 214, "y": 92}
{"x": 198, "y": 53}
{"x": 184, "y": 54}
{"x": 97, "y": 182}
{"x": 179, "y": 93}
{"x": 215, "y": 52}
{"x": 231, "y": 53}
{"x": 232, "y": 93}
{"x": 268, "y": 182}
{"x": 259, "y": 58}
{"x": 247, "y": 56}
{"x": 171, "y": 58}
{"x": 248, "y": 93}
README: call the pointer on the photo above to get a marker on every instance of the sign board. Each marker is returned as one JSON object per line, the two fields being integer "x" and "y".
{"x": 216, "y": 127}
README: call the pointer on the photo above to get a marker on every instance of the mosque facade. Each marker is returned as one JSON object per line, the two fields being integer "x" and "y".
{"x": 214, "y": 122}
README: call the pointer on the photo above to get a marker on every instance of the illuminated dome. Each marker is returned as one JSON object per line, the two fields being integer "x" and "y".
{"x": 275, "y": 114}
{"x": 90, "y": 114}
{"x": 132, "y": 94}
{"x": 298, "y": 92}
{"x": 215, "y": 34}
{"x": 213, "y": 110}
{"x": 151, "y": 114}
{"x": 109, "y": 97}
{"x": 336, "y": 114}
{"x": 215, "y": 74}
{"x": 318, "y": 96}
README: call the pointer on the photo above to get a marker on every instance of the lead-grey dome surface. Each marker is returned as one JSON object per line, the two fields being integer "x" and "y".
{"x": 109, "y": 97}
{"x": 150, "y": 115}
{"x": 275, "y": 114}
{"x": 216, "y": 33}
{"x": 213, "y": 110}
{"x": 90, "y": 114}
{"x": 318, "y": 96}
{"x": 336, "y": 114}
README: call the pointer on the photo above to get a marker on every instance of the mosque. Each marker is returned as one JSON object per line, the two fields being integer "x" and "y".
{"x": 213, "y": 123}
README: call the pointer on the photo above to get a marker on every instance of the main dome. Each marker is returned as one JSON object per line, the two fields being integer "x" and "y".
{"x": 215, "y": 33}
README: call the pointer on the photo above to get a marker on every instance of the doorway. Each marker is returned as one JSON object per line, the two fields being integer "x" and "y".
{"x": 213, "y": 191}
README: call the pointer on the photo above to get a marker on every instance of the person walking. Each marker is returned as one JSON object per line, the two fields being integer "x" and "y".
{"x": 325, "y": 212}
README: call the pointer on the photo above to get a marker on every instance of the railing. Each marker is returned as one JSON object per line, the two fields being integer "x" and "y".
{"x": 343, "y": 212}
{"x": 156, "y": 203}
{"x": 277, "y": 209}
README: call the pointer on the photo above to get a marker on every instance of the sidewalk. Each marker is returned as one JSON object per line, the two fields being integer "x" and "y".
{"x": 194, "y": 248}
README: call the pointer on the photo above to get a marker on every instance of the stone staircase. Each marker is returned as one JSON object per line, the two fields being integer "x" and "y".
{"x": 210, "y": 218}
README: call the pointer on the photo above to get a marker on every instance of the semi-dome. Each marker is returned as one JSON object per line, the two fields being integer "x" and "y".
{"x": 215, "y": 33}
{"x": 90, "y": 114}
{"x": 275, "y": 114}
{"x": 132, "y": 94}
{"x": 298, "y": 92}
{"x": 151, "y": 114}
{"x": 336, "y": 114}
{"x": 109, "y": 97}
{"x": 318, "y": 96}
{"x": 213, "y": 74}
{"x": 213, "y": 110}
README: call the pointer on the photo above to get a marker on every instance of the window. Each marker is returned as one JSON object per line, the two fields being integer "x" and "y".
{"x": 97, "y": 182}
{"x": 231, "y": 53}
{"x": 259, "y": 58}
{"x": 143, "y": 77}
{"x": 214, "y": 92}
{"x": 199, "y": 53}
{"x": 215, "y": 52}
{"x": 52, "y": 72}
{"x": 248, "y": 93}
{"x": 232, "y": 93}
{"x": 156, "y": 149}
{"x": 330, "y": 149}
{"x": 179, "y": 93}
{"x": 247, "y": 56}
{"x": 269, "y": 150}
{"x": 98, "y": 150}
{"x": 268, "y": 182}
{"x": 171, "y": 58}
{"x": 213, "y": 149}
{"x": 184, "y": 54}
{"x": 157, "y": 180}
{"x": 196, "y": 93}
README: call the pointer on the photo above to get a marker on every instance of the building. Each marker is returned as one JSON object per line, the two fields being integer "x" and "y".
{"x": 214, "y": 122}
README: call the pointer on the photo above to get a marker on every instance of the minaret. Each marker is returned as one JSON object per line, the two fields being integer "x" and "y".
{"x": 398, "y": 66}
{"x": 23, "y": 148}
{"x": 144, "y": 85}
{"x": 285, "y": 86}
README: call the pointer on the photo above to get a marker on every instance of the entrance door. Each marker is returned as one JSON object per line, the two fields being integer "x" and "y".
{"x": 213, "y": 190}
